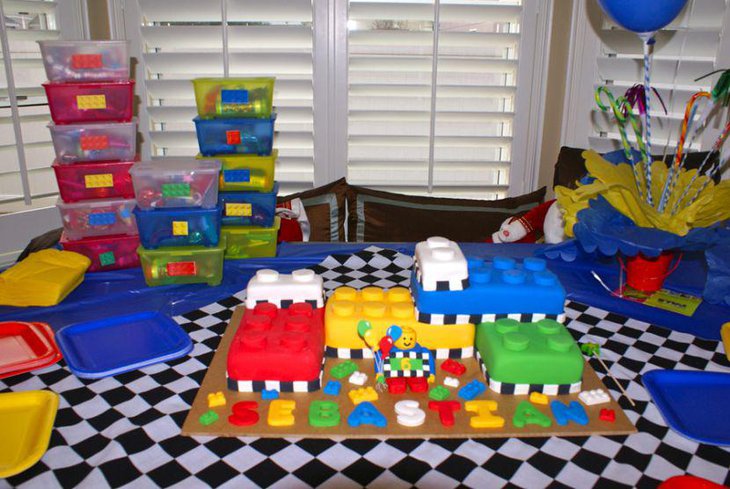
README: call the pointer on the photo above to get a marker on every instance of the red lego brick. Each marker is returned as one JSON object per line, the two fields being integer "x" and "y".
{"x": 86, "y": 61}
{"x": 90, "y": 143}
{"x": 181, "y": 269}
{"x": 233, "y": 137}
{"x": 285, "y": 345}
{"x": 607, "y": 415}
{"x": 454, "y": 367}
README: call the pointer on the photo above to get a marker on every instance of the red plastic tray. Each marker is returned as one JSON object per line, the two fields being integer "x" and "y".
{"x": 25, "y": 347}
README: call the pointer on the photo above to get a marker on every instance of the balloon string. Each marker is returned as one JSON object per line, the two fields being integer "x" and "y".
{"x": 647, "y": 117}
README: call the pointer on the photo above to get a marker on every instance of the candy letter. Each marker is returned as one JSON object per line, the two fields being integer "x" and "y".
{"x": 366, "y": 413}
{"x": 446, "y": 410}
{"x": 324, "y": 414}
{"x": 280, "y": 412}
{"x": 573, "y": 412}
{"x": 527, "y": 413}
{"x": 244, "y": 414}
{"x": 409, "y": 413}
{"x": 484, "y": 417}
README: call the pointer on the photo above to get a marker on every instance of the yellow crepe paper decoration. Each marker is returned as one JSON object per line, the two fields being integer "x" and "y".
{"x": 617, "y": 185}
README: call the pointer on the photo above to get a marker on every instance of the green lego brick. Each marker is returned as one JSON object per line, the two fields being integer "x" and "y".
{"x": 106, "y": 258}
{"x": 543, "y": 352}
{"x": 175, "y": 189}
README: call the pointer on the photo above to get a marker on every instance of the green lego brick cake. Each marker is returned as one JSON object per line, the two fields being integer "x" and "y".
{"x": 538, "y": 353}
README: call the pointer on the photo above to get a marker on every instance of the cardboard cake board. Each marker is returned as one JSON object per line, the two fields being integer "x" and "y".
{"x": 215, "y": 380}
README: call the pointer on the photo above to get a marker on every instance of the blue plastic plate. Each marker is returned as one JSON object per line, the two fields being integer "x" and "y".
{"x": 695, "y": 404}
{"x": 111, "y": 346}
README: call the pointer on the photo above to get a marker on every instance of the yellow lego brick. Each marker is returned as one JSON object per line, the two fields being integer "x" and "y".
{"x": 102, "y": 180}
{"x": 384, "y": 308}
{"x": 216, "y": 399}
{"x": 88, "y": 102}
{"x": 363, "y": 394}
{"x": 538, "y": 398}
{"x": 179, "y": 228}
{"x": 234, "y": 209}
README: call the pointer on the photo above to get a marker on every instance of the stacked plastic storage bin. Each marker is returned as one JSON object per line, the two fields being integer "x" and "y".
{"x": 94, "y": 136}
{"x": 179, "y": 221}
{"x": 235, "y": 125}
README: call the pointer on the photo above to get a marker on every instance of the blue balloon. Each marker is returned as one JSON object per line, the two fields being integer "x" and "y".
{"x": 642, "y": 16}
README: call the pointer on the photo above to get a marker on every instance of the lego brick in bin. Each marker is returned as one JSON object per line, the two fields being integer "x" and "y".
{"x": 94, "y": 141}
{"x": 498, "y": 286}
{"x": 246, "y": 173}
{"x": 75, "y": 61}
{"x": 97, "y": 217}
{"x": 178, "y": 226}
{"x": 182, "y": 265}
{"x": 235, "y": 136}
{"x": 90, "y": 102}
{"x": 176, "y": 182}
{"x": 250, "y": 241}
{"x": 234, "y": 97}
{"x": 105, "y": 252}
{"x": 84, "y": 181}
{"x": 248, "y": 208}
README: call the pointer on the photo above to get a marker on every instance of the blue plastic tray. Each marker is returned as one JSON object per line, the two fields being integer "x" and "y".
{"x": 695, "y": 404}
{"x": 111, "y": 346}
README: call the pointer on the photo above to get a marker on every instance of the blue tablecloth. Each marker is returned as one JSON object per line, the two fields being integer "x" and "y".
{"x": 107, "y": 294}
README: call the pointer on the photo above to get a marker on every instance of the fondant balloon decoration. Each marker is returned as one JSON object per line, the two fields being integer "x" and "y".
{"x": 642, "y": 16}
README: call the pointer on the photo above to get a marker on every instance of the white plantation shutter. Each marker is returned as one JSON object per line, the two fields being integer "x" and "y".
{"x": 26, "y": 21}
{"x": 691, "y": 46}
{"x": 391, "y": 49}
{"x": 180, "y": 40}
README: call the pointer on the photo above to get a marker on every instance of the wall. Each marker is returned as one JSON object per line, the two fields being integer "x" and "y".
{"x": 555, "y": 91}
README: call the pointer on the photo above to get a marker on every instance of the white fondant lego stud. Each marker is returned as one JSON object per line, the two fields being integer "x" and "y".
{"x": 409, "y": 413}
{"x": 358, "y": 378}
{"x": 595, "y": 396}
{"x": 271, "y": 286}
{"x": 451, "y": 382}
{"x": 440, "y": 260}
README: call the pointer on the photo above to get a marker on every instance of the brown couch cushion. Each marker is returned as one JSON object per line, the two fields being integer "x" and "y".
{"x": 326, "y": 210}
{"x": 384, "y": 216}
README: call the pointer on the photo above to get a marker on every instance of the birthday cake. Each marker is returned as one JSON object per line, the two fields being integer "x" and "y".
{"x": 506, "y": 312}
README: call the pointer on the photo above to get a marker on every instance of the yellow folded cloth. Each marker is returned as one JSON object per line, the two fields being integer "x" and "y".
{"x": 44, "y": 278}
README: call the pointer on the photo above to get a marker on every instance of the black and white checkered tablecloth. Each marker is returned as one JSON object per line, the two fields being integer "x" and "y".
{"x": 125, "y": 430}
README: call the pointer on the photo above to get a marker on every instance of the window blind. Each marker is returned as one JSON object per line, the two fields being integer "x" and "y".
{"x": 391, "y": 48}
{"x": 685, "y": 50}
{"x": 183, "y": 39}
{"x": 26, "y": 21}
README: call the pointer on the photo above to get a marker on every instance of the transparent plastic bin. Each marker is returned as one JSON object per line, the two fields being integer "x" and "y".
{"x": 69, "y": 61}
{"x": 246, "y": 173}
{"x": 234, "y": 97}
{"x": 97, "y": 217}
{"x": 84, "y": 181}
{"x": 96, "y": 141}
{"x": 90, "y": 102}
{"x": 176, "y": 182}
{"x": 248, "y": 208}
{"x": 235, "y": 136}
{"x": 250, "y": 242}
{"x": 105, "y": 252}
{"x": 178, "y": 226}
{"x": 182, "y": 265}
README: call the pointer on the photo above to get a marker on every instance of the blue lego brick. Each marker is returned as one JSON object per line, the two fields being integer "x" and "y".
{"x": 500, "y": 286}
{"x": 102, "y": 219}
{"x": 237, "y": 176}
{"x": 234, "y": 96}
{"x": 333, "y": 388}
{"x": 472, "y": 390}
{"x": 269, "y": 394}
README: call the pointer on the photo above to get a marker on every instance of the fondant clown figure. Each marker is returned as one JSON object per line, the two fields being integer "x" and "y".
{"x": 403, "y": 363}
